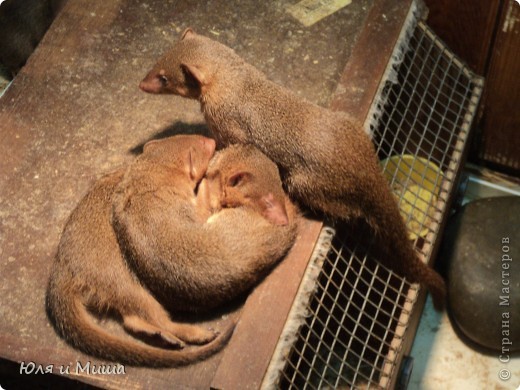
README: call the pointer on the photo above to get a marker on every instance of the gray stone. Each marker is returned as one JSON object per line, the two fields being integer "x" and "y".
{"x": 482, "y": 252}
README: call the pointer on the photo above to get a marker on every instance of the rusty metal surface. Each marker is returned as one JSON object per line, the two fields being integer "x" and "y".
{"x": 75, "y": 112}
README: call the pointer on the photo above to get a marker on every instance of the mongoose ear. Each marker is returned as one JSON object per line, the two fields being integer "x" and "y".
{"x": 150, "y": 145}
{"x": 188, "y": 32}
{"x": 194, "y": 75}
{"x": 274, "y": 211}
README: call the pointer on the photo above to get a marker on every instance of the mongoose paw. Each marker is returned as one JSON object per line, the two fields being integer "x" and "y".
{"x": 170, "y": 340}
{"x": 200, "y": 336}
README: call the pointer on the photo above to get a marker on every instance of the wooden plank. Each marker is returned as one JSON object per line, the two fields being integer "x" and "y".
{"x": 500, "y": 115}
{"x": 362, "y": 74}
{"x": 467, "y": 27}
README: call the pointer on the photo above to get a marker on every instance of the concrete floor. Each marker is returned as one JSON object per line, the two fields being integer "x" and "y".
{"x": 441, "y": 359}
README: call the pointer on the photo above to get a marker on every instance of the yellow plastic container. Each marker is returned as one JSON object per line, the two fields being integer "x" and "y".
{"x": 416, "y": 186}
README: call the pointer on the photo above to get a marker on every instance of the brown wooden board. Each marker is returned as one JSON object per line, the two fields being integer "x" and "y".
{"x": 500, "y": 115}
{"x": 467, "y": 27}
{"x": 363, "y": 72}
{"x": 74, "y": 112}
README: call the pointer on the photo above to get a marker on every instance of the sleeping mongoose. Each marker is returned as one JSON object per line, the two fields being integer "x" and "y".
{"x": 90, "y": 276}
{"x": 327, "y": 162}
{"x": 186, "y": 253}
{"x": 242, "y": 176}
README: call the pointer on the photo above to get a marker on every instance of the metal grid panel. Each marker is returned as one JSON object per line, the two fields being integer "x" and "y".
{"x": 359, "y": 311}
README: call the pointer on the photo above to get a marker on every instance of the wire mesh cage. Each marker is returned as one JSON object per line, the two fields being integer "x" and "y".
{"x": 351, "y": 314}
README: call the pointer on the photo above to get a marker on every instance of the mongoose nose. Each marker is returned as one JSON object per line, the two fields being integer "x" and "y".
{"x": 150, "y": 85}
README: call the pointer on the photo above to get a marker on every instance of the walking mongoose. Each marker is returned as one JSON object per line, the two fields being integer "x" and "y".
{"x": 327, "y": 162}
{"x": 184, "y": 257}
{"x": 90, "y": 275}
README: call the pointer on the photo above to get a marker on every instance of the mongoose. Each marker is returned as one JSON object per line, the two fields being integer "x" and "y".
{"x": 90, "y": 275}
{"x": 242, "y": 176}
{"x": 327, "y": 162}
{"x": 183, "y": 256}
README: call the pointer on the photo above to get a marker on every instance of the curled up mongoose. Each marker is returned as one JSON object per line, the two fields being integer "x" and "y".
{"x": 91, "y": 276}
{"x": 219, "y": 251}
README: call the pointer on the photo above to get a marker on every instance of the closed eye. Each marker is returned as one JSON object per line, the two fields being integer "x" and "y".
{"x": 237, "y": 179}
{"x": 196, "y": 189}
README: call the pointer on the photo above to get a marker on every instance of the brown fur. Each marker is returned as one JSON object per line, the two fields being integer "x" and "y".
{"x": 90, "y": 274}
{"x": 327, "y": 162}
{"x": 242, "y": 176}
{"x": 180, "y": 255}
